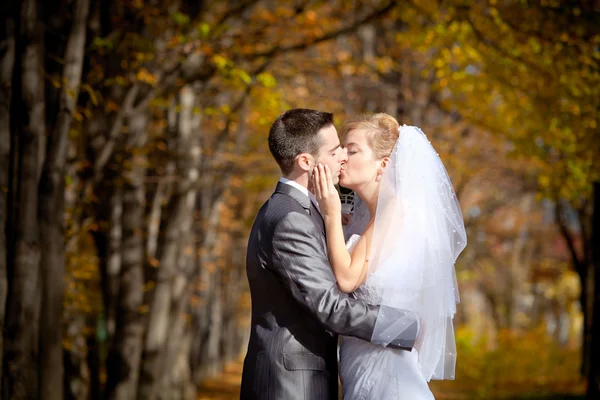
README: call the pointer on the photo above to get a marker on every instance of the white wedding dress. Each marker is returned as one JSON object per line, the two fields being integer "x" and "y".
{"x": 418, "y": 233}
{"x": 370, "y": 371}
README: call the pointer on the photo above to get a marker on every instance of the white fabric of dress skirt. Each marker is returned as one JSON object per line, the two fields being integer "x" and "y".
{"x": 369, "y": 371}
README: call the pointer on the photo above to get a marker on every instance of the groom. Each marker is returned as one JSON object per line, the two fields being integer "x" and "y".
{"x": 297, "y": 308}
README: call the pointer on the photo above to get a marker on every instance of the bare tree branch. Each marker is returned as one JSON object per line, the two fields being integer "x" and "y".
{"x": 124, "y": 111}
{"x": 51, "y": 210}
{"x": 235, "y": 11}
{"x": 277, "y": 50}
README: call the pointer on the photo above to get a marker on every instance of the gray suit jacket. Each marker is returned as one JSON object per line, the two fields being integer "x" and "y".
{"x": 297, "y": 308}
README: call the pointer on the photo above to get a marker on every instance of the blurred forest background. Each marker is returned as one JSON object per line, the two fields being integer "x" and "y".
{"x": 133, "y": 159}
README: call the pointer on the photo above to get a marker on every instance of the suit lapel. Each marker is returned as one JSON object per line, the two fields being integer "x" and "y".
{"x": 294, "y": 194}
{"x": 304, "y": 201}
{"x": 316, "y": 214}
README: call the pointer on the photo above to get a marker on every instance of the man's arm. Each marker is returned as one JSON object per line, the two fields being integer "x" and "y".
{"x": 302, "y": 265}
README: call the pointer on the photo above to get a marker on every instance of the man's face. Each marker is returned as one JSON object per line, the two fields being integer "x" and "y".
{"x": 330, "y": 152}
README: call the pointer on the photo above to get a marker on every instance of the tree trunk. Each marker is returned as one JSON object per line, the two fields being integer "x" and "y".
{"x": 211, "y": 322}
{"x": 179, "y": 210}
{"x": 108, "y": 243}
{"x": 114, "y": 259}
{"x": 517, "y": 267}
{"x": 209, "y": 360}
{"x": 123, "y": 367}
{"x": 77, "y": 369}
{"x": 199, "y": 317}
{"x": 178, "y": 377}
{"x": 179, "y": 340}
{"x": 164, "y": 187}
{"x": 160, "y": 196}
{"x": 214, "y": 361}
{"x": 583, "y": 266}
{"x": 206, "y": 348}
{"x": 94, "y": 364}
{"x": 201, "y": 323}
{"x": 51, "y": 213}
{"x": 7, "y": 48}
{"x": 593, "y": 391}
{"x": 230, "y": 321}
{"x": 22, "y": 307}
{"x": 587, "y": 303}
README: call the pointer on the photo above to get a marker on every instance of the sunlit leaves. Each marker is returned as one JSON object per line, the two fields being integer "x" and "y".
{"x": 180, "y": 19}
{"x": 99, "y": 42}
{"x": 242, "y": 75}
{"x": 203, "y": 29}
{"x": 143, "y": 75}
{"x": 488, "y": 371}
{"x": 221, "y": 62}
{"x": 510, "y": 71}
{"x": 266, "y": 79}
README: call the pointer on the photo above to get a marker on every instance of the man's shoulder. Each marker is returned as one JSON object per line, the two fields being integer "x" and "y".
{"x": 285, "y": 199}
{"x": 279, "y": 205}
{"x": 277, "y": 208}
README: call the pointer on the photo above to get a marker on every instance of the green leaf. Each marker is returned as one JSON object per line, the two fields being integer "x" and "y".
{"x": 220, "y": 61}
{"x": 180, "y": 18}
{"x": 100, "y": 42}
{"x": 267, "y": 80}
{"x": 243, "y": 75}
{"x": 203, "y": 29}
{"x": 535, "y": 45}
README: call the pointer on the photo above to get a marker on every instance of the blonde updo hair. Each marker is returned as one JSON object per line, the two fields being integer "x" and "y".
{"x": 382, "y": 130}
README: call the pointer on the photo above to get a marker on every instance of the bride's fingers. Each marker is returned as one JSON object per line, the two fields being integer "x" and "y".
{"x": 323, "y": 181}
{"x": 316, "y": 183}
{"x": 322, "y": 192}
{"x": 328, "y": 177}
{"x": 319, "y": 181}
{"x": 323, "y": 176}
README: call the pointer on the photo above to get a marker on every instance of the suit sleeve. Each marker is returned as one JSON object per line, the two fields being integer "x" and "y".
{"x": 301, "y": 263}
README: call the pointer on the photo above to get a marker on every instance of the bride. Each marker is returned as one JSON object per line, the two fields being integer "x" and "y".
{"x": 411, "y": 232}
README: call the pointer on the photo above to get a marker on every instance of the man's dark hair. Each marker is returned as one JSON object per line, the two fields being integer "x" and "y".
{"x": 295, "y": 132}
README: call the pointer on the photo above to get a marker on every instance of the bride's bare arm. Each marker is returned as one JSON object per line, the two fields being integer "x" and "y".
{"x": 350, "y": 270}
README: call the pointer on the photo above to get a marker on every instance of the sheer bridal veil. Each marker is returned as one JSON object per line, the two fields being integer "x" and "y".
{"x": 418, "y": 235}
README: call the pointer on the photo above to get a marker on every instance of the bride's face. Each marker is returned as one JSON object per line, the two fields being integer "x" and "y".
{"x": 362, "y": 166}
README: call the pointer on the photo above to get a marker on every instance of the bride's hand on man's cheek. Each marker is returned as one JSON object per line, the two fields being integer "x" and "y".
{"x": 325, "y": 191}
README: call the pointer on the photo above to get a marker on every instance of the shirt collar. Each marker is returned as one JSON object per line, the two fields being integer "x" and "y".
{"x": 294, "y": 184}
{"x": 304, "y": 190}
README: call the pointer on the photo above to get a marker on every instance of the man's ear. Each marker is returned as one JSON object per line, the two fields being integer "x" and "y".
{"x": 305, "y": 161}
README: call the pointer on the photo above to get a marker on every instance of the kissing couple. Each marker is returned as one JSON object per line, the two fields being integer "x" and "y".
{"x": 389, "y": 291}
